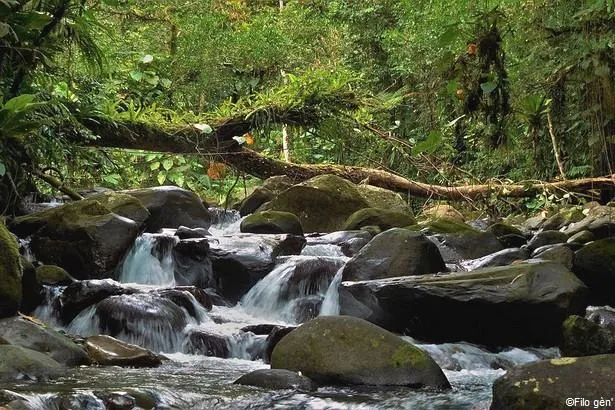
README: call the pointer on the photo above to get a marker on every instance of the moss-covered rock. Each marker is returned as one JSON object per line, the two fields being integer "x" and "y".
{"x": 548, "y": 384}
{"x": 582, "y": 337}
{"x": 559, "y": 253}
{"x": 272, "y": 222}
{"x": 10, "y": 274}
{"x": 440, "y": 211}
{"x": 342, "y": 350}
{"x": 594, "y": 264}
{"x": 383, "y": 218}
{"x": 382, "y": 198}
{"x": 269, "y": 189}
{"x": 546, "y": 238}
{"x": 395, "y": 252}
{"x": 446, "y": 225}
{"x": 501, "y": 229}
{"x": 108, "y": 351}
{"x": 83, "y": 237}
{"x": 122, "y": 204}
{"x": 600, "y": 221}
{"x": 322, "y": 203}
{"x": 277, "y": 379}
{"x": 564, "y": 217}
{"x": 53, "y": 275}
{"x": 32, "y": 290}
{"x": 17, "y": 362}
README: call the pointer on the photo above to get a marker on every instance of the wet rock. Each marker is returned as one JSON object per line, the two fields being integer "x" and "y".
{"x": 559, "y": 253}
{"x": 350, "y": 242}
{"x": 581, "y": 237}
{"x": 83, "y": 237}
{"x": 548, "y": 384}
{"x": 171, "y": 207}
{"x": 583, "y": 337}
{"x": 273, "y": 339}
{"x": 512, "y": 241}
{"x": 20, "y": 362}
{"x": 500, "y": 258}
{"x": 26, "y": 333}
{"x": 518, "y": 305}
{"x": 272, "y": 222}
{"x": 117, "y": 401}
{"x": 342, "y": 350}
{"x": 208, "y": 344}
{"x": 269, "y": 189}
{"x": 192, "y": 265}
{"x": 594, "y": 264}
{"x": 564, "y": 217}
{"x": 377, "y": 197}
{"x": 53, "y": 275}
{"x": 31, "y": 289}
{"x": 602, "y": 315}
{"x": 79, "y": 400}
{"x": 322, "y": 203}
{"x": 189, "y": 233}
{"x": 80, "y": 295}
{"x": 123, "y": 204}
{"x": 10, "y": 274}
{"x": 277, "y": 379}
{"x": 239, "y": 261}
{"x": 306, "y": 308}
{"x": 396, "y": 252}
{"x": 501, "y": 229}
{"x": 442, "y": 211}
{"x": 108, "y": 351}
{"x": 600, "y": 221}
{"x": 187, "y": 297}
{"x": 383, "y": 218}
{"x": 264, "y": 329}
{"x": 546, "y": 238}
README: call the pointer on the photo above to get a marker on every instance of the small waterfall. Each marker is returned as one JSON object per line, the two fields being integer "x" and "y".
{"x": 323, "y": 249}
{"x": 47, "y": 312}
{"x": 26, "y": 250}
{"x": 247, "y": 346}
{"x": 224, "y": 221}
{"x": 150, "y": 261}
{"x": 331, "y": 303}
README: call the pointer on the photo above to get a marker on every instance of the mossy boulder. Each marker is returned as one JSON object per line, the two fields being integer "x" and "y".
{"x": 23, "y": 332}
{"x": 518, "y": 305}
{"x": 277, "y": 379}
{"x": 500, "y": 229}
{"x": 17, "y": 362}
{"x": 172, "y": 207}
{"x": 583, "y": 337}
{"x": 322, "y": 203}
{"x": 383, "y": 218}
{"x": 600, "y": 221}
{"x": 544, "y": 238}
{"x": 83, "y": 237}
{"x": 10, "y": 274}
{"x": 594, "y": 264}
{"x": 395, "y": 252}
{"x": 122, "y": 204}
{"x": 446, "y": 225}
{"x": 272, "y": 222}
{"x": 53, "y": 275}
{"x": 382, "y": 198}
{"x": 548, "y": 384}
{"x": 342, "y": 350}
{"x": 439, "y": 211}
{"x": 269, "y": 189}
{"x": 108, "y": 351}
{"x": 564, "y": 217}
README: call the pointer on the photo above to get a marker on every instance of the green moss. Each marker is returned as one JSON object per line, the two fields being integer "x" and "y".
{"x": 383, "y": 218}
{"x": 409, "y": 356}
{"x": 11, "y": 272}
{"x": 563, "y": 361}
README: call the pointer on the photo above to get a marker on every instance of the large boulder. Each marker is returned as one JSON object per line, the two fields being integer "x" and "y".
{"x": 268, "y": 190}
{"x": 272, "y": 222}
{"x": 562, "y": 383}
{"x": 594, "y": 264}
{"x": 53, "y": 275}
{"x": 123, "y": 204}
{"x": 192, "y": 263}
{"x": 342, "y": 350}
{"x": 10, "y": 274}
{"x": 438, "y": 211}
{"x": 322, "y": 203}
{"x": 396, "y": 252}
{"x": 18, "y": 362}
{"x": 518, "y": 305}
{"x": 20, "y": 331}
{"x": 108, "y": 351}
{"x": 277, "y": 379}
{"x": 172, "y": 207}
{"x": 239, "y": 261}
{"x": 382, "y": 218}
{"x": 382, "y": 198}
{"x": 500, "y": 258}
{"x": 83, "y": 237}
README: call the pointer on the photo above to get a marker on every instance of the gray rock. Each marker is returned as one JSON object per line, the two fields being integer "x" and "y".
{"x": 277, "y": 379}
{"x": 594, "y": 264}
{"x": 19, "y": 362}
{"x": 546, "y": 238}
{"x": 108, "y": 351}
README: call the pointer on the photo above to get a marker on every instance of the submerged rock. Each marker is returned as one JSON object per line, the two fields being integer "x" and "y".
{"x": 23, "y": 332}
{"x": 322, "y": 203}
{"x": 108, "y": 351}
{"x": 18, "y": 362}
{"x": 277, "y": 379}
{"x": 396, "y": 252}
{"x": 594, "y": 264}
{"x": 518, "y": 305}
{"x": 272, "y": 222}
{"x": 10, "y": 274}
{"x": 382, "y": 218}
{"x": 342, "y": 350}
{"x": 550, "y": 384}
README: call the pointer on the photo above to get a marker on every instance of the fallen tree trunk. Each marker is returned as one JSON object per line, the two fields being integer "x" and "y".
{"x": 221, "y": 144}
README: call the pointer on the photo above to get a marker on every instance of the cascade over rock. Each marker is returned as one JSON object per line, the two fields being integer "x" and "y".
{"x": 322, "y": 203}
{"x": 342, "y": 350}
{"x": 10, "y": 274}
{"x": 396, "y": 252}
{"x": 519, "y": 305}
{"x": 548, "y": 384}
{"x": 83, "y": 237}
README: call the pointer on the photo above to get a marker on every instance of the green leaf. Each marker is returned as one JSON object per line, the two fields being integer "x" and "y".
{"x": 136, "y": 75}
{"x": 148, "y": 58}
{"x": 4, "y": 29}
{"x": 19, "y": 103}
{"x": 150, "y": 157}
{"x": 2, "y": 169}
{"x": 179, "y": 180}
{"x": 449, "y": 35}
{"x": 154, "y": 165}
{"x": 429, "y": 145}
{"x": 166, "y": 83}
{"x": 488, "y": 87}
{"x": 167, "y": 164}
{"x": 204, "y": 128}
{"x": 162, "y": 176}
{"x": 602, "y": 71}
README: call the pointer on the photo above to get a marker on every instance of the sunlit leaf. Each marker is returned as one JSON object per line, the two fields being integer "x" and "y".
{"x": 204, "y": 128}
{"x": 162, "y": 176}
{"x": 154, "y": 165}
{"x": 148, "y": 58}
{"x": 136, "y": 75}
{"x": 167, "y": 164}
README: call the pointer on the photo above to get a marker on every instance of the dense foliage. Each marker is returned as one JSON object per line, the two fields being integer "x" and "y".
{"x": 441, "y": 91}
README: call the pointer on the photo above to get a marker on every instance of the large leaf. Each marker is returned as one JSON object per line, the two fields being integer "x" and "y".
{"x": 19, "y": 103}
{"x": 429, "y": 145}
{"x": 167, "y": 164}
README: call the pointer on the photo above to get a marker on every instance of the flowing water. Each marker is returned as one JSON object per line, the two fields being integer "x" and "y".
{"x": 286, "y": 296}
